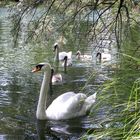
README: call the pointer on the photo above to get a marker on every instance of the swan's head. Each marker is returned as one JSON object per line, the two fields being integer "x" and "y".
{"x": 52, "y": 71}
{"x": 41, "y": 67}
{"x": 98, "y": 55}
{"x": 55, "y": 46}
{"x": 65, "y": 58}
{"x": 78, "y": 54}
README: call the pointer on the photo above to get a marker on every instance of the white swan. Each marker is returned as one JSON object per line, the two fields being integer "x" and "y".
{"x": 103, "y": 57}
{"x": 66, "y": 106}
{"x": 59, "y": 56}
{"x": 83, "y": 57}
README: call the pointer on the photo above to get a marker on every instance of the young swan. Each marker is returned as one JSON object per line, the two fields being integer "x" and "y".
{"x": 83, "y": 57}
{"x": 66, "y": 106}
{"x": 56, "y": 78}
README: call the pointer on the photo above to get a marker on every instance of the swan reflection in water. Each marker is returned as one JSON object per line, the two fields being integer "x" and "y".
{"x": 67, "y": 129}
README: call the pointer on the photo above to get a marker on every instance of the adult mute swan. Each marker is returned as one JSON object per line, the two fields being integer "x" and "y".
{"x": 59, "y": 56}
{"x": 66, "y": 106}
{"x": 103, "y": 57}
{"x": 83, "y": 57}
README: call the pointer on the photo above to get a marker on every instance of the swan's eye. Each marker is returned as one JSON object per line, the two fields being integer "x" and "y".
{"x": 40, "y": 66}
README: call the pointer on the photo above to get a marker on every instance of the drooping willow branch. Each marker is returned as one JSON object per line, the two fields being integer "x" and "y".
{"x": 61, "y": 8}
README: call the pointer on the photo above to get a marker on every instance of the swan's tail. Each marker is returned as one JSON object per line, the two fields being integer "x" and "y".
{"x": 91, "y": 99}
{"x": 89, "y": 102}
{"x": 69, "y": 54}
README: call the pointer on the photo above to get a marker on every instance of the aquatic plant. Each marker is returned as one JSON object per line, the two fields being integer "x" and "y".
{"x": 119, "y": 98}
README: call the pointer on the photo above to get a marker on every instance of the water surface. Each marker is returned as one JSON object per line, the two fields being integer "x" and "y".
{"x": 19, "y": 90}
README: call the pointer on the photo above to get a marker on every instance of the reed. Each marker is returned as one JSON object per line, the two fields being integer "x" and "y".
{"x": 119, "y": 98}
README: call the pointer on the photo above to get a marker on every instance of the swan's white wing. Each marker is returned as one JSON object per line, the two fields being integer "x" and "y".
{"x": 54, "y": 111}
{"x": 69, "y": 55}
{"x": 62, "y": 55}
{"x": 106, "y": 56}
{"x": 66, "y": 106}
{"x": 75, "y": 103}
{"x": 63, "y": 98}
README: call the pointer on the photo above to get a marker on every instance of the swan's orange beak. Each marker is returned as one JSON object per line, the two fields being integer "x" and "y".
{"x": 36, "y": 69}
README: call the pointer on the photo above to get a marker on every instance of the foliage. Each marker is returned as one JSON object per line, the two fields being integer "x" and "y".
{"x": 122, "y": 96}
{"x": 104, "y": 19}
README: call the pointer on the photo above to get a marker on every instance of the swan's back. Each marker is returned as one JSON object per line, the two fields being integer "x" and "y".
{"x": 63, "y": 54}
{"x": 64, "y": 97}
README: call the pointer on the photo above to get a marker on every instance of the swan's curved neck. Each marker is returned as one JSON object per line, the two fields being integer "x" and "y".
{"x": 65, "y": 65}
{"x": 56, "y": 58}
{"x": 78, "y": 56}
{"x": 99, "y": 55}
{"x": 41, "y": 107}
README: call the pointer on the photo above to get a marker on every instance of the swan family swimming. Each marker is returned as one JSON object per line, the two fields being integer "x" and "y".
{"x": 68, "y": 105}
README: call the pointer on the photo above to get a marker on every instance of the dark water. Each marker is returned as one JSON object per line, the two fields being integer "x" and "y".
{"x": 19, "y": 90}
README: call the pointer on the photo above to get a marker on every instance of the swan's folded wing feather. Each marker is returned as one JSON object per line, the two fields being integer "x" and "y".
{"x": 66, "y": 106}
{"x": 75, "y": 103}
{"x": 64, "y": 97}
{"x": 69, "y": 55}
{"x": 59, "y": 104}
{"x": 62, "y": 55}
